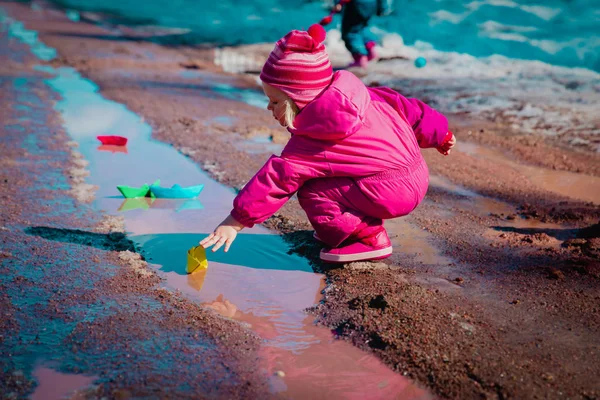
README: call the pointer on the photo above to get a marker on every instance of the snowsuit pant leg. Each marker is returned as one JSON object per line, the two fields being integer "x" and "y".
{"x": 335, "y": 208}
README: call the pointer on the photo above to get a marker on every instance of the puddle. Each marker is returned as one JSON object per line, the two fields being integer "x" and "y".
{"x": 248, "y": 96}
{"x": 18, "y": 31}
{"x": 268, "y": 290}
{"x": 53, "y": 385}
{"x": 569, "y": 184}
{"x": 414, "y": 241}
{"x": 223, "y": 120}
{"x": 256, "y": 283}
{"x": 257, "y": 145}
{"x": 484, "y": 206}
{"x": 253, "y": 97}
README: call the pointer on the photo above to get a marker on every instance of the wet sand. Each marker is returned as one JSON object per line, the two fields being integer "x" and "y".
{"x": 494, "y": 284}
{"x": 82, "y": 314}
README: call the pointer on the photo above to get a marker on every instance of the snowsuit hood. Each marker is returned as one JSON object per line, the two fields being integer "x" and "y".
{"x": 337, "y": 113}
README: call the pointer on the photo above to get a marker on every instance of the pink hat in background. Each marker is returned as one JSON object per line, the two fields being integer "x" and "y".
{"x": 299, "y": 65}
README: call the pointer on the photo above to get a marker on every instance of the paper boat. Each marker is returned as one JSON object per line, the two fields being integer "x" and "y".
{"x": 132, "y": 192}
{"x": 176, "y": 191}
{"x": 143, "y": 203}
{"x": 196, "y": 259}
{"x": 113, "y": 140}
{"x": 112, "y": 148}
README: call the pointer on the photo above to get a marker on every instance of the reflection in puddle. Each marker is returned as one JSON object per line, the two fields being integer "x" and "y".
{"x": 257, "y": 282}
{"x": 141, "y": 203}
{"x": 569, "y": 184}
{"x": 145, "y": 203}
{"x": 54, "y": 385}
{"x": 112, "y": 148}
{"x": 268, "y": 290}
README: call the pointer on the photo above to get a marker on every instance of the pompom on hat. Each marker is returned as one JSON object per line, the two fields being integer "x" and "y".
{"x": 299, "y": 65}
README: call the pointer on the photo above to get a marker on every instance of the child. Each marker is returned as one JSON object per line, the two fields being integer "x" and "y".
{"x": 353, "y": 157}
{"x": 356, "y": 34}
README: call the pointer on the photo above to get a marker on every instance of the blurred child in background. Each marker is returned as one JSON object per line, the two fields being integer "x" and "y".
{"x": 356, "y": 34}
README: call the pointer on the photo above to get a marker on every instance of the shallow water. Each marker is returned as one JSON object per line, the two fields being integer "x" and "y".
{"x": 257, "y": 282}
{"x": 413, "y": 241}
{"x": 485, "y": 206}
{"x": 553, "y": 31}
{"x": 53, "y": 385}
{"x": 569, "y": 184}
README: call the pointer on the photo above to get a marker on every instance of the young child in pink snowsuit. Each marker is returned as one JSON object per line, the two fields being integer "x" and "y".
{"x": 353, "y": 158}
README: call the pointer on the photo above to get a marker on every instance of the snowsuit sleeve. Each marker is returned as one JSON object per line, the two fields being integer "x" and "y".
{"x": 269, "y": 189}
{"x": 430, "y": 126}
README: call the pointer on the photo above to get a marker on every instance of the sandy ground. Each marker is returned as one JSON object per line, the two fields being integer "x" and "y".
{"x": 500, "y": 299}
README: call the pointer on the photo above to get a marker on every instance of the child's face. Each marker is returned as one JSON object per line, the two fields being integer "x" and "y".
{"x": 276, "y": 102}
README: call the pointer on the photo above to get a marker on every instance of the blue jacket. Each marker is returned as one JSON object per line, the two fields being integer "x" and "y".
{"x": 358, "y": 12}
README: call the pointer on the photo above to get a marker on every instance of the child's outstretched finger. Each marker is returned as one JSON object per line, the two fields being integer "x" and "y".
{"x": 220, "y": 242}
{"x": 208, "y": 241}
{"x": 227, "y": 245}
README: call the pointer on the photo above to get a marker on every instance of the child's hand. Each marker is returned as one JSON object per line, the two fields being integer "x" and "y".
{"x": 448, "y": 144}
{"x": 224, "y": 234}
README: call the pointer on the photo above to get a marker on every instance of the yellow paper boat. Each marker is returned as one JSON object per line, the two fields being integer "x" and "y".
{"x": 196, "y": 259}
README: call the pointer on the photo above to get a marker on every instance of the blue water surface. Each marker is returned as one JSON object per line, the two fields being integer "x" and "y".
{"x": 561, "y": 32}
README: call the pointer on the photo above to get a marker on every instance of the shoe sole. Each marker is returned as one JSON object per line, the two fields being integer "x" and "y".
{"x": 345, "y": 258}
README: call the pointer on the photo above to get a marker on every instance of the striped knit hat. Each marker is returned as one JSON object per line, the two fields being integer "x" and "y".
{"x": 299, "y": 65}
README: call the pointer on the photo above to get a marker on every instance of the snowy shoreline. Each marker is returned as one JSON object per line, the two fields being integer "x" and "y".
{"x": 527, "y": 96}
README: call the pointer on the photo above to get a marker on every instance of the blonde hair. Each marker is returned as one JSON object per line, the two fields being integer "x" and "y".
{"x": 290, "y": 112}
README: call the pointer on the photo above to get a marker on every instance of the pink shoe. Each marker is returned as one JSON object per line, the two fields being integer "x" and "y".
{"x": 372, "y": 54}
{"x": 316, "y": 237}
{"x": 359, "y": 61}
{"x": 374, "y": 247}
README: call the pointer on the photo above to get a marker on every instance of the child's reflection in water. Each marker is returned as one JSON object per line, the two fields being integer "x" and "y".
{"x": 223, "y": 307}
{"x": 264, "y": 326}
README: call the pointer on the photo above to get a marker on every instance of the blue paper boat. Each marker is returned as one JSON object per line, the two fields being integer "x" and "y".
{"x": 176, "y": 191}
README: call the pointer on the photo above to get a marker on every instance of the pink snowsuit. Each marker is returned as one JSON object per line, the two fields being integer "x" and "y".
{"x": 353, "y": 158}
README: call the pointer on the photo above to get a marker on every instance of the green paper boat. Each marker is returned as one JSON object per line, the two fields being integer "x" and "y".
{"x": 132, "y": 192}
